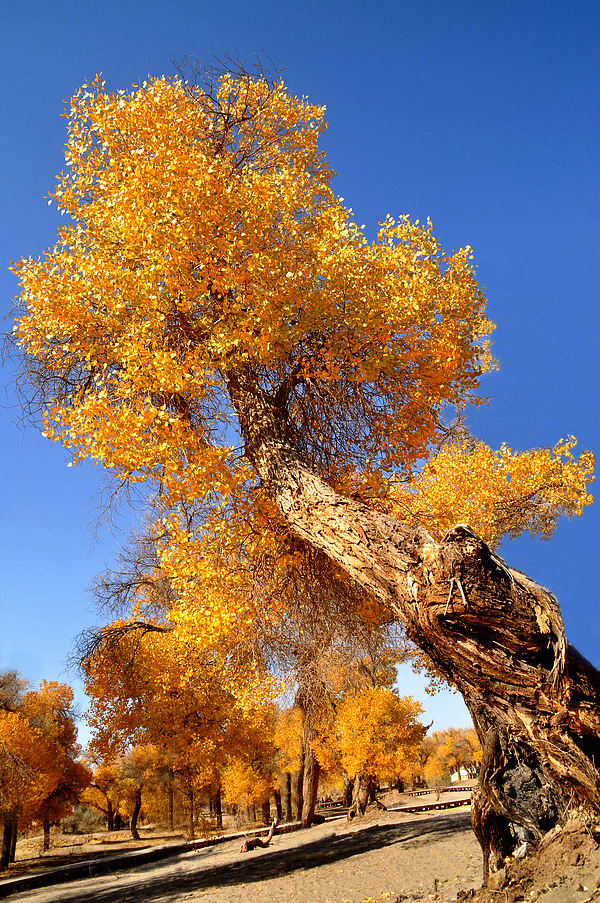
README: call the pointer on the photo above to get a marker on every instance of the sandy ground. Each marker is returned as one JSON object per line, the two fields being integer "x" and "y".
{"x": 429, "y": 856}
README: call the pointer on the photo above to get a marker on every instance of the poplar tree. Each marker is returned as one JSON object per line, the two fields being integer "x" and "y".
{"x": 213, "y": 322}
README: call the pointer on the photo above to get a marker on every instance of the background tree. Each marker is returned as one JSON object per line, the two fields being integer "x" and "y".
{"x": 40, "y": 777}
{"x": 208, "y": 280}
{"x": 379, "y": 736}
{"x": 104, "y": 791}
{"x": 449, "y": 752}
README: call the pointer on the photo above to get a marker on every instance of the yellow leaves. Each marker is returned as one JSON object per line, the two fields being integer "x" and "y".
{"x": 37, "y": 748}
{"x": 201, "y": 240}
{"x": 288, "y": 739}
{"x": 379, "y": 732}
{"x": 447, "y": 752}
{"x": 500, "y": 493}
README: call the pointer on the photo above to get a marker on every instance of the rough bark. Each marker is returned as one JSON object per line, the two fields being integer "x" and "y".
{"x": 363, "y": 793}
{"x": 252, "y": 843}
{"x": 492, "y": 631}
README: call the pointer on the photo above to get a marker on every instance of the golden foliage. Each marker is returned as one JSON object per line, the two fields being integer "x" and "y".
{"x": 204, "y": 234}
{"x": 39, "y": 773}
{"x": 498, "y": 494}
{"x": 379, "y": 732}
{"x": 449, "y": 751}
{"x": 203, "y": 237}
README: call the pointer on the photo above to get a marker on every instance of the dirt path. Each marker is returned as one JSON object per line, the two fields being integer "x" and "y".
{"x": 404, "y": 855}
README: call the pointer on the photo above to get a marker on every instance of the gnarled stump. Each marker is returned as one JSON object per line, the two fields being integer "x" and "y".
{"x": 363, "y": 793}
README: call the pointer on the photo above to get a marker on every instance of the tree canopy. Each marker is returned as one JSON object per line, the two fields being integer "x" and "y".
{"x": 206, "y": 250}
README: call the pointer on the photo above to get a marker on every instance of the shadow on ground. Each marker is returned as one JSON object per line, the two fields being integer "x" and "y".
{"x": 179, "y": 877}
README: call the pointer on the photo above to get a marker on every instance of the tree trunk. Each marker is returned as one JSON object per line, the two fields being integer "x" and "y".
{"x": 278, "y": 806}
{"x": 300, "y": 789}
{"x": 363, "y": 793}
{"x": 312, "y": 770}
{"x": 216, "y": 808}
{"x": 347, "y": 792}
{"x": 192, "y": 831}
{"x": 170, "y": 802}
{"x": 7, "y": 832}
{"x": 110, "y": 817}
{"x": 492, "y": 631}
{"x": 46, "y": 844}
{"x": 266, "y": 812}
{"x": 13, "y": 840}
{"x": 288, "y": 796}
{"x": 136, "y": 811}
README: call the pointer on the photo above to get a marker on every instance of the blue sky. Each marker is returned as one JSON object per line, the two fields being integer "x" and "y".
{"x": 481, "y": 114}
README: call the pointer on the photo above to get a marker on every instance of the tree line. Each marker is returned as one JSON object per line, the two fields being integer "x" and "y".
{"x": 369, "y": 737}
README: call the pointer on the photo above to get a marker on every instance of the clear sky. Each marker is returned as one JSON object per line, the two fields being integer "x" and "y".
{"x": 480, "y": 114}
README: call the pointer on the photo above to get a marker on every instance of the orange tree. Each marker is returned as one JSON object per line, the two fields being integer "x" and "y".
{"x": 379, "y": 736}
{"x": 199, "y": 708}
{"x": 294, "y": 612}
{"x": 50, "y": 710}
{"x": 40, "y": 776}
{"x": 451, "y": 751}
{"x": 208, "y": 280}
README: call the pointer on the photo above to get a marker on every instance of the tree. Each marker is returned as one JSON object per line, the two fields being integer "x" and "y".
{"x": 303, "y": 621}
{"x": 451, "y": 751}
{"x": 40, "y": 777}
{"x": 209, "y": 280}
{"x": 379, "y": 736}
{"x": 288, "y": 740}
{"x": 50, "y": 709}
{"x": 104, "y": 792}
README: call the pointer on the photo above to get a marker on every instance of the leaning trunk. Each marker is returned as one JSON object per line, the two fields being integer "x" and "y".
{"x": 493, "y": 632}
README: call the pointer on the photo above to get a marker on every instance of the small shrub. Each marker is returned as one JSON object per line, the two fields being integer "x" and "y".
{"x": 83, "y": 821}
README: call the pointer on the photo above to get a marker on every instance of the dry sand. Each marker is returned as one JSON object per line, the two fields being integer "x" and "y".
{"x": 406, "y": 856}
